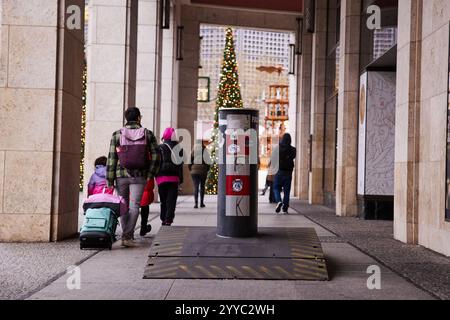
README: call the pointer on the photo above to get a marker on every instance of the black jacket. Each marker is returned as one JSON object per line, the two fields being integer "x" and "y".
{"x": 287, "y": 154}
{"x": 167, "y": 167}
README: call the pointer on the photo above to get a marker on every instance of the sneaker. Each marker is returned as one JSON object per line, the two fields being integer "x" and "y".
{"x": 145, "y": 229}
{"x": 202, "y": 205}
{"x": 196, "y": 206}
{"x": 278, "y": 209}
{"x": 128, "y": 243}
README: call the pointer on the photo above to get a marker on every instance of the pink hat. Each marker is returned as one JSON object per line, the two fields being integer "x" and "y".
{"x": 168, "y": 134}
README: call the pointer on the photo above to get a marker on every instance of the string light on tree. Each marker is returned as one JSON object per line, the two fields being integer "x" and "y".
{"x": 228, "y": 96}
{"x": 83, "y": 127}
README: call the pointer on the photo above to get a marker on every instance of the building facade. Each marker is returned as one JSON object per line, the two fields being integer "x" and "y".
{"x": 371, "y": 123}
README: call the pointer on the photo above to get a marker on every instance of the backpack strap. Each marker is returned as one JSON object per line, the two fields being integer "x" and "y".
{"x": 171, "y": 150}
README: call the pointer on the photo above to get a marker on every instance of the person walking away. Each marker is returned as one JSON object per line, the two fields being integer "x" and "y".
{"x": 269, "y": 185}
{"x": 199, "y": 168}
{"x": 133, "y": 160}
{"x": 283, "y": 178}
{"x": 170, "y": 175}
{"x": 97, "y": 183}
{"x": 147, "y": 198}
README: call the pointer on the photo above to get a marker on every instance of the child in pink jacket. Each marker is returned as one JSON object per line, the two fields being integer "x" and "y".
{"x": 98, "y": 179}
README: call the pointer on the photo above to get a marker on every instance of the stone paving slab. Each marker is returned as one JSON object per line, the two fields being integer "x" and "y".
{"x": 425, "y": 268}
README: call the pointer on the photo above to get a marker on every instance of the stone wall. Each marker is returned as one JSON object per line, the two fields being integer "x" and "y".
{"x": 111, "y": 60}
{"x": 40, "y": 111}
{"x": 434, "y": 231}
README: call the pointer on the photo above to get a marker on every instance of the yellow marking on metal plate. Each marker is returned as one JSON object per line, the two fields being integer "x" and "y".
{"x": 306, "y": 266}
{"x": 301, "y": 273}
{"x": 188, "y": 271}
{"x": 219, "y": 270}
{"x": 311, "y": 271}
{"x": 268, "y": 272}
{"x": 283, "y": 271}
{"x": 169, "y": 248}
{"x": 306, "y": 272}
{"x": 159, "y": 270}
{"x": 168, "y": 253}
{"x": 206, "y": 271}
{"x": 252, "y": 271}
{"x": 168, "y": 263}
{"x": 236, "y": 271}
{"x": 171, "y": 244}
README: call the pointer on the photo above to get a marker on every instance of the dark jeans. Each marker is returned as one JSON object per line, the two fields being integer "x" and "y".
{"x": 271, "y": 193}
{"x": 269, "y": 185}
{"x": 168, "y": 194}
{"x": 145, "y": 211}
{"x": 199, "y": 185}
{"x": 283, "y": 180}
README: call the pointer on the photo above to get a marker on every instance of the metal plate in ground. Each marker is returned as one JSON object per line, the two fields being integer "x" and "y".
{"x": 235, "y": 268}
{"x": 298, "y": 243}
{"x": 198, "y": 253}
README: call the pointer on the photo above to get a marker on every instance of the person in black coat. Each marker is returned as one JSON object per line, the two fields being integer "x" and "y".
{"x": 283, "y": 178}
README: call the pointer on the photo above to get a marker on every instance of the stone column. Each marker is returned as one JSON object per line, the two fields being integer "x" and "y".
{"x": 407, "y": 129}
{"x": 149, "y": 64}
{"x": 169, "y": 76}
{"x": 318, "y": 103}
{"x": 347, "y": 157}
{"x": 304, "y": 118}
{"x": 188, "y": 83}
{"x": 111, "y": 60}
{"x": 40, "y": 111}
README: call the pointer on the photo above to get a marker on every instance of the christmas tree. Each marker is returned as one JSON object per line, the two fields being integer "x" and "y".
{"x": 228, "y": 96}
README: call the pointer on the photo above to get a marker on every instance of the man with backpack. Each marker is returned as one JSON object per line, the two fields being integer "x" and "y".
{"x": 133, "y": 160}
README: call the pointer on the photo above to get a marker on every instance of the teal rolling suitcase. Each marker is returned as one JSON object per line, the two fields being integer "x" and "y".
{"x": 99, "y": 229}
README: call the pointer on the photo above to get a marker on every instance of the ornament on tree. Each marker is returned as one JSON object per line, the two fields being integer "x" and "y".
{"x": 228, "y": 96}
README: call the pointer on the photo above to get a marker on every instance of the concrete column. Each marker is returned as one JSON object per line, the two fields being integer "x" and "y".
{"x": 169, "y": 76}
{"x": 40, "y": 111}
{"x": 407, "y": 129}
{"x": 347, "y": 157}
{"x": 188, "y": 81}
{"x": 318, "y": 103}
{"x": 149, "y": 64}
{"x": 304, "y": 118}
{"x": 111, "y": 60}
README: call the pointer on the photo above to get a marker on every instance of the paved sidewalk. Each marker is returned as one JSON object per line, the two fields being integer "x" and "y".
{"x": 425, "y": 268}
{"x": 118, "y": 274}
{"x": 25, "y": 267}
